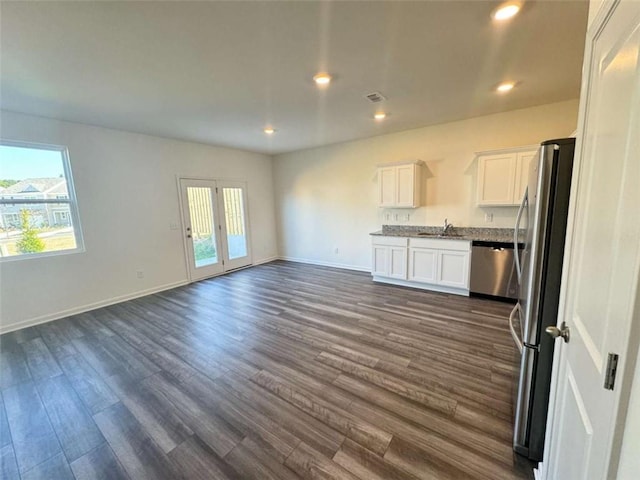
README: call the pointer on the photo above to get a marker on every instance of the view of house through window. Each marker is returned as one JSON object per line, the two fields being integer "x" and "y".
{"x": 38, "y": 212}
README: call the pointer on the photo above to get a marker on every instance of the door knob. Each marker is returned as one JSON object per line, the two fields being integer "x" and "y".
{"x": 556, "y": 332}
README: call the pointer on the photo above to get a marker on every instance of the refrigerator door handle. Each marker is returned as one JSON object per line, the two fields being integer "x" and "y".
{"x": 514, "y": 334}
{"x": 516, "y": 232}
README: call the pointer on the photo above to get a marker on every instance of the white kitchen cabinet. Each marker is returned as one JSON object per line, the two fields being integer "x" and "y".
{"x": 423, "y": 265}
{"x": 380, "y": 262}
{"x": 399, "y": 184}
{"x": 387, "y": 186}
{"x": 389, "y": 257}
{"x": 427, "y": 263}
{"x": 398, "y": 262}
{"x": 503, "y": 176}
{"x": 522, "y": 174}
{"x": 453, "y": 269}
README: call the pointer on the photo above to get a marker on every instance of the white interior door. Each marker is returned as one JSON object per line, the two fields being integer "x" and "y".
{"x": 234, "y": 228}
{"x": 200, "y": 224}
{"x": 603, "y": 262}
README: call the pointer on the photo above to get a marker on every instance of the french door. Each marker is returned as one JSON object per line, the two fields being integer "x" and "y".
{"x": 214, "y": 219}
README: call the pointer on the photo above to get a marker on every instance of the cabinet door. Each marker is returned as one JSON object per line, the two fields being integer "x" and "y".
{"x": 522, "y": 174}
{"x": 496, "y": 178}
{"x": 387, "y": 187}
{"x": 380, "y": 261}
{"x": 453, "y": 269}
{"x": 398, "y": 262}
{"x": 405, "y": 185}
{"x": 423, "y": 265}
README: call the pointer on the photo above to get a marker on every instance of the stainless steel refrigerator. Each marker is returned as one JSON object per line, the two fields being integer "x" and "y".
{"x": 542, "y": 219}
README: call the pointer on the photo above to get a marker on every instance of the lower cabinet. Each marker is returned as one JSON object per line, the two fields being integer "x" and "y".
{"x": 428, "y": 263}
{"x": 423, "y": 265}
{"x": 453, "y": 269}
{"x": 390, "y": 257}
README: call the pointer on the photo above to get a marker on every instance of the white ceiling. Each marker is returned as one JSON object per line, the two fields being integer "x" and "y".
{"x": 218, "y": 72}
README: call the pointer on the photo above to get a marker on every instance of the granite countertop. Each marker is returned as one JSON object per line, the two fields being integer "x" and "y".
{"x": 504, "y": 235}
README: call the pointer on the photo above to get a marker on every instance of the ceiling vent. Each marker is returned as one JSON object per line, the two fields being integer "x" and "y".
{"x": 375, "y": 97}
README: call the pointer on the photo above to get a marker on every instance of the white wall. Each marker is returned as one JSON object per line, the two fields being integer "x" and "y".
{"x": 127, "y": 194}
{"x": 326, "y": 197}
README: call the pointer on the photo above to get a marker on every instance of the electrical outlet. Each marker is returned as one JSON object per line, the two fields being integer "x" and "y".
{"x": 336, "y": 250}
{"x": 140, "y": 274}
{"x": 173, "y": 226}
{"x": 395, "y": 217}
{"x": 387, "y": 216}
{"x": 488, "y": 217}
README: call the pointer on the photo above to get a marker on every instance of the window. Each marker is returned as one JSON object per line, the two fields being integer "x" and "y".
{"x": 11, "y": 219}
{"x": 38, "y": 209}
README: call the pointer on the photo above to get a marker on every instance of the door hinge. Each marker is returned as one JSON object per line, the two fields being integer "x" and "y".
{"x": 216, "y": 189}
{"x": 220, "y": 227}
{"x": 610, "y": 373}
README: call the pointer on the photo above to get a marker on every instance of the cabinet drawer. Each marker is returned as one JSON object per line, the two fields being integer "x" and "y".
{"x": 441, "y": 244}
{"x": 390, "y": 241}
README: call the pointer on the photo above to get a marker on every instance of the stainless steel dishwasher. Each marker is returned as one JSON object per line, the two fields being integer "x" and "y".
{"x": 493, "y": 270}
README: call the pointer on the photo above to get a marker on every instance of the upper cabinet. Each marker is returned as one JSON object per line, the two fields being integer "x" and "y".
{"x": 503, "y": 176}
{"x": 399, "y": 184}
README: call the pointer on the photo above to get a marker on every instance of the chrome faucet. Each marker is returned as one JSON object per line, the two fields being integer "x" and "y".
{"x": 447, "y": 227}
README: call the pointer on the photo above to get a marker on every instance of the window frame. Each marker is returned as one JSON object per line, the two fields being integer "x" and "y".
{"x": 71, "y": 200}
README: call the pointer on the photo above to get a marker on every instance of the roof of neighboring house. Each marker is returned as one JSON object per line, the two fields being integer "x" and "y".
{"x": 60, "y": 189}
{"x": 37, "y": 185}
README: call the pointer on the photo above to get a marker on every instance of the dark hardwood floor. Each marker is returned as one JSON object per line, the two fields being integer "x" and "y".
{"x": 281, "y": 371}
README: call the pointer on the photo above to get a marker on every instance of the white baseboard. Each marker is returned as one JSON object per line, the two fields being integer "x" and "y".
{"x": 266, "y": 260}
{"x": 85, "y": 308}
{"x": 141, "y": 293}
{"x": 103, "y": 303}
{"x": 422, "y": 286}
{"x": 325, "y": 264}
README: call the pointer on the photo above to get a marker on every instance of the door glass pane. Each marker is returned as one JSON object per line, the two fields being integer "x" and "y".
{"x": 202, "y": 226}
{"x": 234, "y": 215}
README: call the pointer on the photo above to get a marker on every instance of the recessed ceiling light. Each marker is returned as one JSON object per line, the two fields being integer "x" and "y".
{"x": 506, "y": 11}
{"x": 269, "y": 130}
{"x": 322, "y": 78}
{"x": 505, "y": 87}
{"x": 379, "y": 115}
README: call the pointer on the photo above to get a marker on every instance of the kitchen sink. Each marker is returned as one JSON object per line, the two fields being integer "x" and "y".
{"x": 439, "y": 235}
